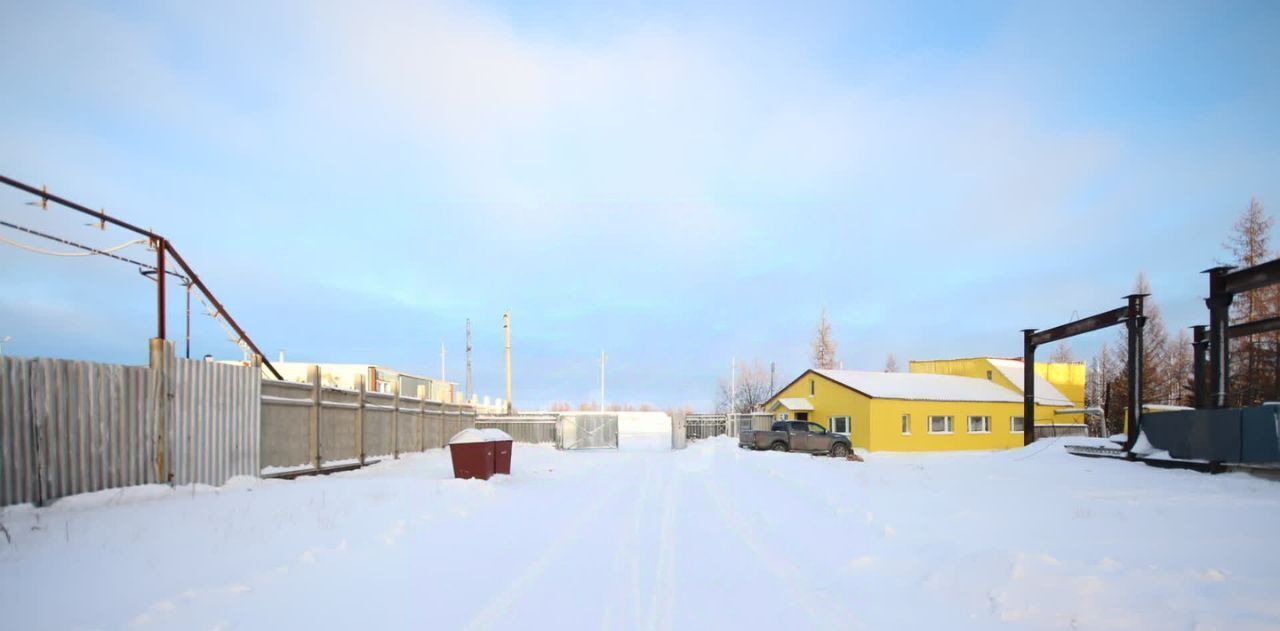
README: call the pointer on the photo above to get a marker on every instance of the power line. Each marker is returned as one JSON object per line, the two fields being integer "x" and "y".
{"x": 32, "y": 248}
{"x": 162, "y": 247}
{"x": 88, "y": 250}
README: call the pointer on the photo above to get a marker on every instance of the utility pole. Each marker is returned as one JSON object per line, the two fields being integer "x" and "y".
{"x": 601, "y": 381}
{"x": 772, "y": 369}
{"x": 733, "y": 384}
{"x": 443, "y": 379}
{"x": 506, "y": 333}
{"x": 2, "y": 342}
{"x": 188, "y": 284}
{"x": 468, "y": 390}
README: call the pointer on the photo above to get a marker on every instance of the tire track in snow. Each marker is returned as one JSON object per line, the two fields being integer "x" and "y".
{"x": 801, "y": 590}
{"x": 663, "y": 596}
{"x": 626, "y": 564}
{"x": 501, "y": 603}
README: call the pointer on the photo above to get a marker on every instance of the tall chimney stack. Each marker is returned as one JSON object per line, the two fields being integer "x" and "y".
{"x": 506, "y": 332}
{"x": 468, "y": 390}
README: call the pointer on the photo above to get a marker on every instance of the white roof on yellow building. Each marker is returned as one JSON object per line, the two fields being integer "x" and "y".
{"x": 922, "y": 386}
{"x": 795, "y": 404}
{"x": 1046, "y": 393}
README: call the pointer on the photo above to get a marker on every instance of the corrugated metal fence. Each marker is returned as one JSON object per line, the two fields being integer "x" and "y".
{"x": 71, "y": 427}
{"x": 214, "y": 424}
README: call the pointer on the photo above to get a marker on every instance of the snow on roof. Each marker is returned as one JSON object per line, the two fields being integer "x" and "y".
{"x": 921, "y": 386}
{"x": 794, "y": 404}
{"x": 469, "y": 435}
{"x": 1046, "y": 393}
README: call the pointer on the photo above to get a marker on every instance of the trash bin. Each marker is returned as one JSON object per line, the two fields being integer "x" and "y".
{"x": 472, "y": 454}
{"x": 501, "y": 449}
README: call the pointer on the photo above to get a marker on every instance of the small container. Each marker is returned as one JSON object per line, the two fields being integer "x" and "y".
{"x": 472, "y": 454}
{"x": 502, "y": 446}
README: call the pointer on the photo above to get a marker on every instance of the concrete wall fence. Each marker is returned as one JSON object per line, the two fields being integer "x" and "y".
{"x": 523, "y": 428}
{"x": 310, "y": 426}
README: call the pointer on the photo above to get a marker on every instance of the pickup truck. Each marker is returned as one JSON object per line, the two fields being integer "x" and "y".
{"x": 801, "y": 436}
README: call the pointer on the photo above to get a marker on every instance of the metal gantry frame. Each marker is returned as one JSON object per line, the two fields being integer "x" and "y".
{"x": 1131, "y": 315}
{"x": 1199, "y": 348}
{"x": 162, "y": 247}
{"x": 1224, "y": 284}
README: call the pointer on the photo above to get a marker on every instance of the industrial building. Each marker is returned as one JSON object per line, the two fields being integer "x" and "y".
{"x": 385, "y": 380}
{"x": 940, "y": 405}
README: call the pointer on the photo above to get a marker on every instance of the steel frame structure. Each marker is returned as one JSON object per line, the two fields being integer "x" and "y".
{"x": 1225, "y": 283}
{"x": 1131, "y": 315}
{"x": 162, "y": 247}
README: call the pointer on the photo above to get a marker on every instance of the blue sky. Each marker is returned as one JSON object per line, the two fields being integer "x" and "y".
{"x": 674, "y": 184}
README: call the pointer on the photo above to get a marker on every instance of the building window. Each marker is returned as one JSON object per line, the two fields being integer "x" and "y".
{"x": 979, "y": 424}
{"x": 802, "y": 416}
{"x": 906, "y": 424}
{"x": 811, "y": 387}
{"x": 782, "y": 417}
{"x": 1016, "y": 425}
{"x": 939, "y": 424}
{"x": 988, "y": 375}
{"x": 839, "y": 424}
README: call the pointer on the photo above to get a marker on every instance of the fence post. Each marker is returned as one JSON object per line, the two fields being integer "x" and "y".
{"x": 37, "y": 429}
{"x": 395, "y": 419}
{"x": 422, "y": 418}
{"x": 161, "y": 363}
{"x": 360, "y": 419}
{"x": 254, "y": 448}
{"x": 313, "y": 375}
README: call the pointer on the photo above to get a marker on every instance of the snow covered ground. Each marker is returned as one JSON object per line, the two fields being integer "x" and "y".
{"x": 710, "y": 537}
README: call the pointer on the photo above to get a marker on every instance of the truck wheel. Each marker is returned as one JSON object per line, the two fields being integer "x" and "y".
{"x": 839, "y": 450}
{"x": 778, "y": 446}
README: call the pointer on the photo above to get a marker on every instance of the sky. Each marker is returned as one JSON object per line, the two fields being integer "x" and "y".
{"x": 675, "y": 185}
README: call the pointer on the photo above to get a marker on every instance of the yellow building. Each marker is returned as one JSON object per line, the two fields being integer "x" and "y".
{"x": 1058, "y": 385}
{"x": 938, "y": 406}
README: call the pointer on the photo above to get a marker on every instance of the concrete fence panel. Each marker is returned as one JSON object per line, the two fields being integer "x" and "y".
{"x": 406, "y": 427}
{"x": 526, "y": 429}
{"x": 338, "y": 426}
{"x": 433, "y": 426}
{"x": 286, "y": 424}
{"x": 377, "y": 426}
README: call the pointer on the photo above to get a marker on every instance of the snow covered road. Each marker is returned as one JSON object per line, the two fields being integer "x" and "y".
{"x": 708, "y": 537}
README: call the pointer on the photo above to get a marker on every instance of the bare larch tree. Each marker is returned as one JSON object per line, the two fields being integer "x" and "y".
{"x": 1255, "y": 366}
{"x": 751, "y": 392}
{"x": 1062, "y": 353}
{"x": 823, "y": 346}
{"x": 891, "y": 363}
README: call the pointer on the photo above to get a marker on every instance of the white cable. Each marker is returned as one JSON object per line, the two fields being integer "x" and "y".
{"x": 32, "y": 248}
